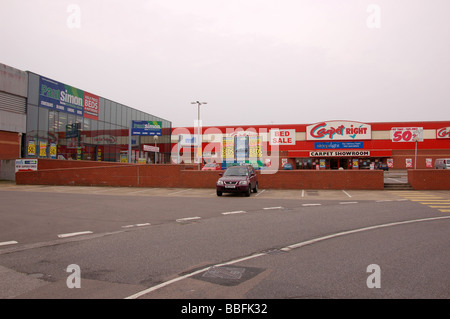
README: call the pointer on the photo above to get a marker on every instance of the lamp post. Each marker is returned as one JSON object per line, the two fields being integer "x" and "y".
{"x": 199, "y": 133}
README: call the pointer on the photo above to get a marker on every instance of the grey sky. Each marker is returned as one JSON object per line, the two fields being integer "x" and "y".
{"x": 253, "y": 61}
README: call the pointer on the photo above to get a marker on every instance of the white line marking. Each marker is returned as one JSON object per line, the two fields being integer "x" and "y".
{"x": 269, "y": 208}
{"x": 74, "y": 234}
{"x": 137, "y": 192}
{"x": 144, "y": 224}
{"x": 346, "y": 193}
{"x": 303, "y": 193}
{"x": 287, "y": 249}
{"x": 260, "y": 193}
{"x": 5, "y": 243}
{"x": 383, "y": 200}
{"x": 235, "y": 212}
{"x": 164, "y": 284}
{"x": 312, "y": 241}
{"x": 187, "y": 218}
{"x": 185, "y": 190}
{"x": 128, "y": 226}
{"x": 343, "y": 203}
{"x": 306, "y": 205}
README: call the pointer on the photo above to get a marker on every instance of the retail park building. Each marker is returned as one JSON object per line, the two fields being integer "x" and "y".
{"x": 47, "y": 119}
{"x": 324, "y": 145}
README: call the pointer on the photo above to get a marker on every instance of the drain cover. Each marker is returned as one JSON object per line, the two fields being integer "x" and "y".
{"x": 228, "y": 276}
{"x": 224, "y": 273}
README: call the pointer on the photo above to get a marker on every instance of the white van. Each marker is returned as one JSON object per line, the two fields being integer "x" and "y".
{"x": 442, "y": 163}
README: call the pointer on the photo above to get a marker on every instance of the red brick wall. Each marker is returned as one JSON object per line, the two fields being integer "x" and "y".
{"x": 330, "y": 179}
{"x": 9, "y": 145}
{"x": 179, "y": 176}
{"x": 429, "y": 179}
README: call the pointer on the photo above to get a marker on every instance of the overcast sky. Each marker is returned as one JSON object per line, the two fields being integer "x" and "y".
{"x": 254, "y": 62}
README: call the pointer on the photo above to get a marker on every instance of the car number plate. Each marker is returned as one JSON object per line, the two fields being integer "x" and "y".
{"x": 230, "y": 186}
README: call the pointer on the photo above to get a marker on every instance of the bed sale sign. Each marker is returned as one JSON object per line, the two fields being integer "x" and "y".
{"x": 282, "y": 137}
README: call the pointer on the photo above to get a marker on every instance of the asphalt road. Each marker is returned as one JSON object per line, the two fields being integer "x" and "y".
{"x": 190, "y": 244}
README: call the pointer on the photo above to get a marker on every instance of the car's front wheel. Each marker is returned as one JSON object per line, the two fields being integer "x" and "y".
{"x": 219, "y": 193}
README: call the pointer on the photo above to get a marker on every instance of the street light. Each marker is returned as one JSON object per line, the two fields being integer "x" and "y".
{"x": 199, "y": 142}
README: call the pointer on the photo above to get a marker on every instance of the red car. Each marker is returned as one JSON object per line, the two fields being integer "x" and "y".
{"x": 238, "y": 179}
{"x": 212, "y": 167}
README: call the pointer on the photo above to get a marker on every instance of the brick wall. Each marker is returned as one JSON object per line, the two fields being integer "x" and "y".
{"x": 114, "y": 174}
{"x": 9, "y": 145}
{"x": 421, "y": 179}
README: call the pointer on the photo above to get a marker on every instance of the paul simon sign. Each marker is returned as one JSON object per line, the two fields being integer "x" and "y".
{"x": 338, "y": 130}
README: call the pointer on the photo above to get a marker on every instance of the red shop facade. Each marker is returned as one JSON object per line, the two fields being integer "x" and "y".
{"x": 337, "y": 144}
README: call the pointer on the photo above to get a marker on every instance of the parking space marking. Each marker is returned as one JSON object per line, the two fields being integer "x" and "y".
{"x": 6, "y": 243}
{"x": 347, "y": 193}
{"x": 344, "y": 203}
{"x": 306, "y": 205}
{"x": 260, "y": 193}
{"x": 178, "y": 192}
{"x": 74, "y": 234}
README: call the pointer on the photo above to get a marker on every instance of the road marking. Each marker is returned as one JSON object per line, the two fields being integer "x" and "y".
{"x": 359, "y": 230}
{"x": 445, "y": 210}
{"x": 185, "y": 190}
{"x": 137, "y": 192}
{"x": 440, "y": 206}
{"x": 306, "y": 205}
{"x": 303, "y": 193}
{"x": 347, "y": 193}
{"x": 5, "y": 243}
{"x": 136, "y": 225}
{"x": 164, "y": 284}
{"x": 286, "y": 249}
{"x": 260, "y": 193}
{"x": 74, "y": 234}
{"x": 343, "y": 203}
{"x": 269, "y": 208}
{"x": 383, "y": 200}
{"x": 187, "y": 219}
{"x": 235, "y": 212}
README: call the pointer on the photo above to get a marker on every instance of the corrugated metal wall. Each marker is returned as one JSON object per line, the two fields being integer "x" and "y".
{"x": 12, "y": 103}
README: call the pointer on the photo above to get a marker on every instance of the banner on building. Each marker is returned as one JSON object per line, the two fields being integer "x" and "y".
{"x": 339, "y": 130}
{"x": 407, "y": 134}
{"x": 65, "y": 98}
{"x": 146, "y": 128}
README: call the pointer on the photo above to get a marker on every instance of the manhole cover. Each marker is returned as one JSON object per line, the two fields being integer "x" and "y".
{"x": 228, "y": 276}
{"x": 224, "y": 273}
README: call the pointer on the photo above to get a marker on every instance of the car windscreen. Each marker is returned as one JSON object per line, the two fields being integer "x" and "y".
{"x": 236, "y": 171}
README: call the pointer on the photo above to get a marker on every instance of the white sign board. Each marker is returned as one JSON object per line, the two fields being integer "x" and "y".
{"x": 338, "y": 130}
{"x": 23, "y": 165}
{"x": 282, "y": 137}
{"x": 407, "y": 134}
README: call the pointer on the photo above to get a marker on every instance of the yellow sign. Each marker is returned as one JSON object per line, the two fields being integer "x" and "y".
{"x": 43, "y": 149}
{"x": 31, "y": 148}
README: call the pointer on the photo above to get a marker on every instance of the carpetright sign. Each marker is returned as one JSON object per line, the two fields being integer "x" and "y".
{"x": 338, "y": 130}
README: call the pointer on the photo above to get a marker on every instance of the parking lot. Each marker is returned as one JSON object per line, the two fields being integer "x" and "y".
{"x": 127, "y": 240}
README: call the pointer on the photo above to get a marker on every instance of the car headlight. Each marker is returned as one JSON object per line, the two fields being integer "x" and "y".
{"x": 243, "y": 183}
{"x": 220, "y": 183}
